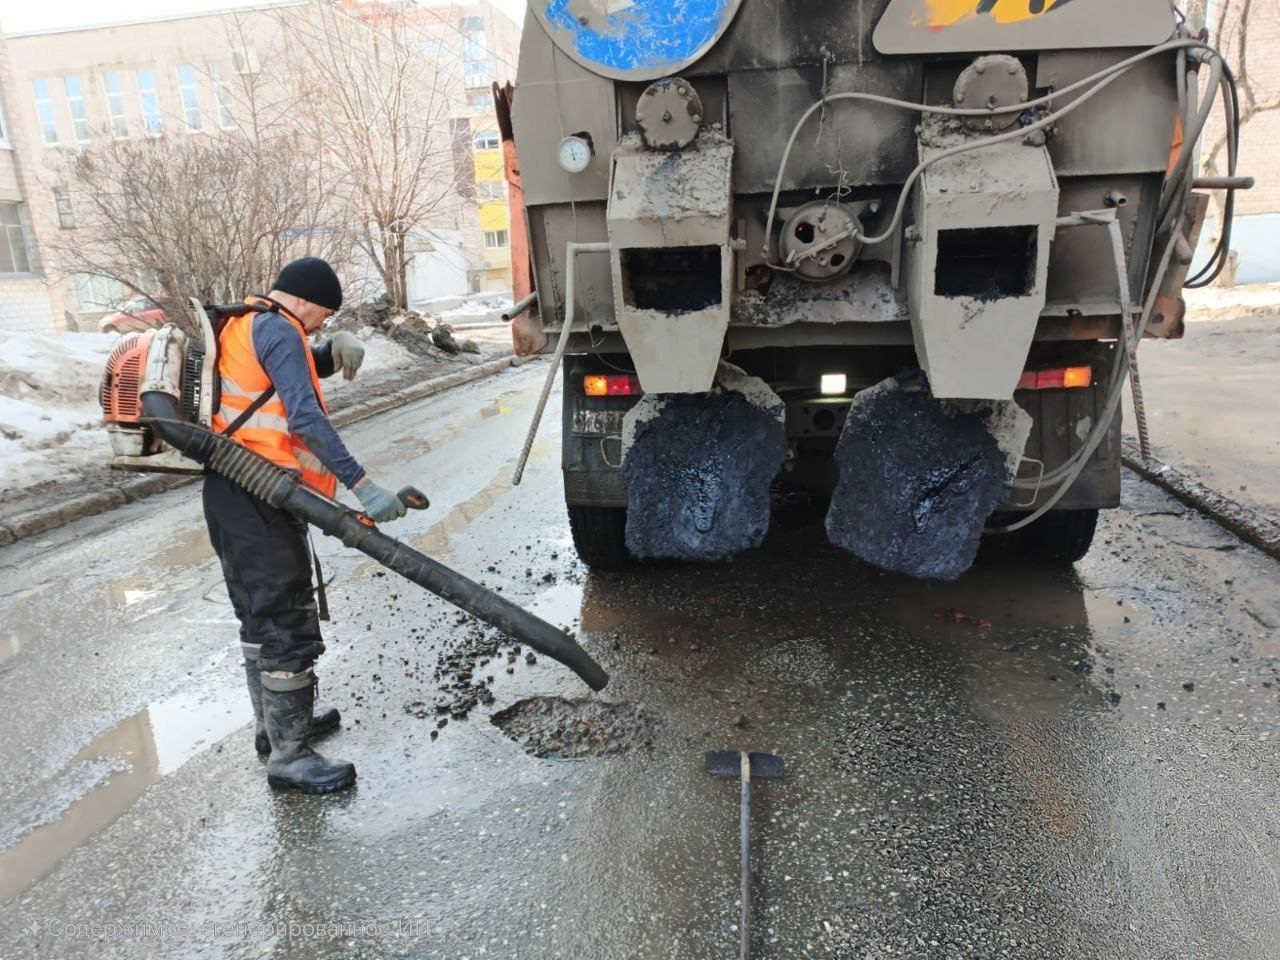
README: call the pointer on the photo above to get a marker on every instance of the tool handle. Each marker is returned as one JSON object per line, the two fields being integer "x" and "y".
{"x": 413, "y": 498}
{"x": 744, "y": 926}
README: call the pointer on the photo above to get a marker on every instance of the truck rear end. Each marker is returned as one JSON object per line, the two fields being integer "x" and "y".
{"x": 989, "y": 201}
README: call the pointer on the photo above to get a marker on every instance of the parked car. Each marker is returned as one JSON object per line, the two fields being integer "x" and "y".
{"x": 144, "y": 313}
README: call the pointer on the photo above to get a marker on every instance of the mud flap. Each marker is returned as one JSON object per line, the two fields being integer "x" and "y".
{"x": 698, "y": 469}
{"x": 919, "y": 477}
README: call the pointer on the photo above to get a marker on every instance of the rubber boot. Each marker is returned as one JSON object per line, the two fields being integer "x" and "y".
{"x": 324, "y": 721}
{"x": 287, "y": 701}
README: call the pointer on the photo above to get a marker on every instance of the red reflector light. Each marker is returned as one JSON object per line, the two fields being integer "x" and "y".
{"x": 1056, "y": 378}
{"x": 611, "y": 385}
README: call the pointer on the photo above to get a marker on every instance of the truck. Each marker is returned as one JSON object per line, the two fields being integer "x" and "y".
{"x": 999, "y": 194}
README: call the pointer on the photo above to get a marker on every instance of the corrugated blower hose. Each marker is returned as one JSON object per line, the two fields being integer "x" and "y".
{"x": 162, "y": 413}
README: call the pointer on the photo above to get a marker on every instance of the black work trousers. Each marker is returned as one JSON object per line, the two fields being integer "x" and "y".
{"x": 267, "y": 566}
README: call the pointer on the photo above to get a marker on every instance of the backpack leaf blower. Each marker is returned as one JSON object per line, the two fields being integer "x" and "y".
{"x": 158, "y": 395}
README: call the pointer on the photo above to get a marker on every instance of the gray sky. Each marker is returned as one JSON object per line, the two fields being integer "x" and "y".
{"x": 20, "y": 16}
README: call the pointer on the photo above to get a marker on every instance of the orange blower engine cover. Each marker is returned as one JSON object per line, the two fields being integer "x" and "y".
{"x": 121, "y": 390}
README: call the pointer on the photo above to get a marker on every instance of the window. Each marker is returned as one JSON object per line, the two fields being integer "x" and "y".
{"x": 62, "y": 206}
{"x": 189, "y": 88}
{"x": 133, "y": 209}
{"x": 478, "y": 99}
{"x": 95, "y": 294}
{"x": 244, "y": 60}
{"x": 491, "y": 189}
{"x": 13, "y": 240}
{"x": 4, "y": 131}
{"x": 487, "y": 140}
{"x": 495, "y": 239}
{"x": 223, "y": 96}
{"x": 152, "y": 122}
{"x": 75, "y": 104}
{"x": 115, "y": 104}
{"x": 475, "y": 53}
{"x": 44, "y": 112}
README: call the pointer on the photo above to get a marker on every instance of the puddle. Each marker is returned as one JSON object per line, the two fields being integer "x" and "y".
{"x": 131, "y": 590}
{"x": 104, "y": 780}
{"x": 184, "y": 549}
{"x": 553, "y": 728}
{"x": 560, "y": 606}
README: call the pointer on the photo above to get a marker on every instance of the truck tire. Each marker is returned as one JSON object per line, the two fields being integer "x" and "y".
{"x": 600, "y": 536}
{"x": 1060, "y": 537}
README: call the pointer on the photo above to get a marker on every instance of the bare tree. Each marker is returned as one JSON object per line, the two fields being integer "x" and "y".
{"x": 376, "y": 91}
{"x": 209, "y": 216}
{"x": 1227, "y": 25}
{"x": 191, "y": 217}
{"x": 1230, "y": 31}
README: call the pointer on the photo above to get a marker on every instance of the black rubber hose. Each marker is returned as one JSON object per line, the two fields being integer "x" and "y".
{"x": 281, "y": 489}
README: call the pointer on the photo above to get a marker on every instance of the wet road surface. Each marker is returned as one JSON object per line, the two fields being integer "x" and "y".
{"x": 1093, "y": 774}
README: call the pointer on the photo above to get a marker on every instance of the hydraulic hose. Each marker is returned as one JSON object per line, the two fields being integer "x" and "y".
{"x": 1095, "y": 83}
{"x": 281, "y": 489}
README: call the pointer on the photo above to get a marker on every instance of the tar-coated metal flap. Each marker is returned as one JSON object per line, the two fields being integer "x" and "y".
{"x": 635, "y": 39}
{"x": 984, "y": 26}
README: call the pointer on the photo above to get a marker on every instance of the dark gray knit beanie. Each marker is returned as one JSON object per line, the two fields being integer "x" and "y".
{"x": 311, "y": 279}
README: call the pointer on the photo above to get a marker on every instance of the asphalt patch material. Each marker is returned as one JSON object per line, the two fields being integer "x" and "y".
{"x": 559, "y": 729}
{"x": 698, "y": 471}
{"x": 918, "y": 481}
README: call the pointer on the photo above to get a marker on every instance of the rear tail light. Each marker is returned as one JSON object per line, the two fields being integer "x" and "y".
{"x": 611, "y": 385}
{"x": 1056, "y": 378}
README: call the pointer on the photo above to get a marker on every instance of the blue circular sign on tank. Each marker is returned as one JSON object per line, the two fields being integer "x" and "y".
{"x": 635, "y": 39}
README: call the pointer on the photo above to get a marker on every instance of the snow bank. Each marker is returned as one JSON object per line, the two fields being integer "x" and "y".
{"x": 380, "y": 354}
{"x": 475, "y": 306}
{"x": 49, "y": 415}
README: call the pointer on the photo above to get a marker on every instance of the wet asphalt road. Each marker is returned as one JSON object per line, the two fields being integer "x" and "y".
{"x": 1094, "y": 774}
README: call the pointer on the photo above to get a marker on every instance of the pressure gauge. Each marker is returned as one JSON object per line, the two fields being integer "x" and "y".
{"x": 574, "y": 154}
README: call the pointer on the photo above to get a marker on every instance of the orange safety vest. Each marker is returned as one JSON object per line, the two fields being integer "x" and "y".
{"x": 266, "y": 432}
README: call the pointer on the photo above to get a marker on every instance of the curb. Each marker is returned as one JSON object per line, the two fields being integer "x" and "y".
{"x": 28, "y": 524}
{"x": 1247, "y": 524}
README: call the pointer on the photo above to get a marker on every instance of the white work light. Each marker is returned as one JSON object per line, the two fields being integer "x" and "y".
{"x": 833, "y": 384}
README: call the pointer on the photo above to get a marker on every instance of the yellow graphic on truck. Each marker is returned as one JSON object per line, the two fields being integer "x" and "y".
{"x": 944, "y": 13}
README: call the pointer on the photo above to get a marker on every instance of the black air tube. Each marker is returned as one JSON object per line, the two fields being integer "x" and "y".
{"x": 266, "y": 481}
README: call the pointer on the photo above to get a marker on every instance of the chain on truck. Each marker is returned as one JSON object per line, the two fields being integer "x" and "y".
{"x": 1002, "y": 193}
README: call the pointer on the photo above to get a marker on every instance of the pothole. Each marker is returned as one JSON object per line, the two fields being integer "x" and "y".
{"x": 558, "y": 729}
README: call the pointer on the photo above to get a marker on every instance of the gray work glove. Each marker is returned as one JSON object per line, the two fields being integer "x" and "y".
{"x": 379, "y": 503}
{"x": 348, "y": 354}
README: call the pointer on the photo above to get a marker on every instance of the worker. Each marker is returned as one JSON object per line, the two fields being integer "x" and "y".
{"x": 272, "y": 402}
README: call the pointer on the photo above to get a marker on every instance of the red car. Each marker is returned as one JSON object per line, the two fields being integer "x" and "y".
{"x": 145, "y": 313}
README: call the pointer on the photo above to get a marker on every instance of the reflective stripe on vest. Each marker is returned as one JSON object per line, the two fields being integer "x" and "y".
{"x": 259, "y": 419}
{"x": 266, "y": 431}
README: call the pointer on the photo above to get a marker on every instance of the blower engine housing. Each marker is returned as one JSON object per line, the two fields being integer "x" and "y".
{"x": 165, "y": 360}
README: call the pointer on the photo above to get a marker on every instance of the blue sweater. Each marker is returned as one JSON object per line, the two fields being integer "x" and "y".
{"x": 275, "y": 341}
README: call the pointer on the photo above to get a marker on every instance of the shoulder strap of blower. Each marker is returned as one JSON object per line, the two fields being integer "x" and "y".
{"x": 219, "y": 315}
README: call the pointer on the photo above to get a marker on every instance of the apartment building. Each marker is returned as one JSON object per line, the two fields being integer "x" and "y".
{"x": 490, "y": 45}
{"x": 490, "y": 52}
{"x": 29, "y": 303}
{"x": 63, "y": 90}
{"x": 1255, "y": 238}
